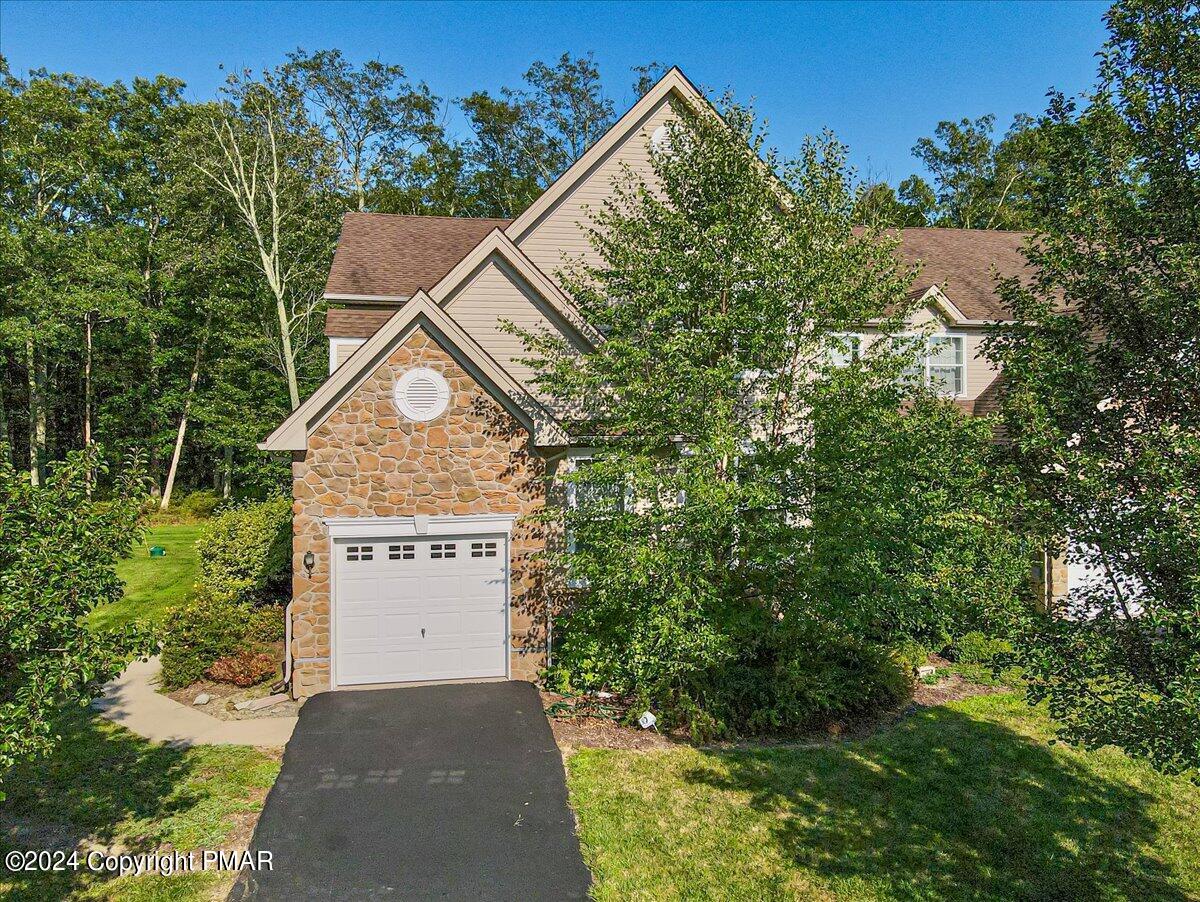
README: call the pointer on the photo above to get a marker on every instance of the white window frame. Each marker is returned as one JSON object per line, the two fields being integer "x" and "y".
{"x": 927, "y": 366}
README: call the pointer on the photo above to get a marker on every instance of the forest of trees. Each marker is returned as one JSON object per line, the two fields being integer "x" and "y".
{"x": 162, "y": 260}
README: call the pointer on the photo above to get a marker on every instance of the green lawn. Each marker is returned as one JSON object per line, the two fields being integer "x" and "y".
{"x": 154, "y": 585}
{"x": 111, "y": 787}
{"x": 965, "y": 801}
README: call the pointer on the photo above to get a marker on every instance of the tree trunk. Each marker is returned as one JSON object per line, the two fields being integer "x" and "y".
{"x": 90, "y": 476}
{"x": 4, "y": 437}
{"x": 227, "y": 473}
{"x": 183, "y": 419}
{"x": 155, "y": 482}
{"x": 36, "y": 364}
{"x": 289, "y": 360}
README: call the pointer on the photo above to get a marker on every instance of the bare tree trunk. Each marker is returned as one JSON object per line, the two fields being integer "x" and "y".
{"x": 4, "y": 436}
{"x": 183, "y": 419}
{"x": 155, "y": 481}
{"x": 90, "y": 476}
{"x": 227, "y": 473}
{"x": 36, "y": 365}
{"x": 289, "y": 359}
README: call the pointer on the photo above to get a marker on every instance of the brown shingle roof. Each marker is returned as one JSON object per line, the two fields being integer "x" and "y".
{"x": 357, "y": 322}
{"x": 964, "y": 264}
{"x": 381, "y": 254}
{"x": 387, "y": 254}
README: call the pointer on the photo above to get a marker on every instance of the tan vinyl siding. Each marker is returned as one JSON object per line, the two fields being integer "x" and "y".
{"x": 978, "y": 370}
{"x": 493, "y": 295}
{"x": 557, "y": 235}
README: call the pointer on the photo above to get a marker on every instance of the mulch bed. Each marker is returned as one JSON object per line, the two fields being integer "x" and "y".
{"x": 225, "y": 696}
{"x": 591, "y": 722}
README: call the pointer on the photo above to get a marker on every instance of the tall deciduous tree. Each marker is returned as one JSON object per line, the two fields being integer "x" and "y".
{"x": 978, "y": 182}
{"x": 527, "y": 137}
{"x": 259, "y": 148}
{"x": 376, "y": 119}
{"x": 1103, "y": 401}
{"x": 702, "y": 534}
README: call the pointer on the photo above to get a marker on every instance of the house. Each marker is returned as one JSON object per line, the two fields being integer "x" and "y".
{"x": 420, "y": 464}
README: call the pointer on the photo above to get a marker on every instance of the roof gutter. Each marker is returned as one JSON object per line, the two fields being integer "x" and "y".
{"x": 366, "y": 298}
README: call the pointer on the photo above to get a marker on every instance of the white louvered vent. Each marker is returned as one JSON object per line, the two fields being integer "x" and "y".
{"x": 422, "y": 394}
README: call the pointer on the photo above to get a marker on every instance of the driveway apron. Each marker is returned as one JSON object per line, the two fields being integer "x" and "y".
{"x": 433, "y": 792}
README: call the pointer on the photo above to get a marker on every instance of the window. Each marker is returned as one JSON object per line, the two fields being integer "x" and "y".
{"x": 443, "y": 550}
{"x": 360, "y": 552}
{"x": 483, "y": 549}
{"x": 401, "y": 552}
{"x": 843, "y": 348}
{"x": 937, "y": 362}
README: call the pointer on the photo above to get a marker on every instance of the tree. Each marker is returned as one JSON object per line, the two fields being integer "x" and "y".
{"x": 980, "y": 183}
{"x": 722, "y": 292}
{"x": 258, "y": 147}
{"x": 526, "y": 138}
{"x": 1103, "y": 402}
{"x": 58, "y": 554}
{"x": 878, "y": 206}
{"x": 372, "y": 115}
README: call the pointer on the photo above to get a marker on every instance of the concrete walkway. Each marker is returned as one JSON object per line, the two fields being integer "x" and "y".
{"x": 132, "y": 700}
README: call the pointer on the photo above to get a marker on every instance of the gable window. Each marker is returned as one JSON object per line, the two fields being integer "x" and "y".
{"x": 938, "y": 362}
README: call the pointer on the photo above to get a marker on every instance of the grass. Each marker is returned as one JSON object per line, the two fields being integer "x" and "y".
{"x": 963, "y": 801}
{"x": 154, "y": 586}
{"x": 108, "y": 786}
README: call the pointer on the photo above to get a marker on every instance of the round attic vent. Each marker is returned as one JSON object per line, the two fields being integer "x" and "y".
{"x": 660, "y": 139}
{"x": 422, "y": 394}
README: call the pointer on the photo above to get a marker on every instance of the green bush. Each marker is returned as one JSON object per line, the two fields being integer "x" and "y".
{"x": 910, "y": 654}
{"x": 200, "y": 504}
{"x": 209, "y": 628}
{"x": 977, "y": 648}
{"x": 245, "y": 550}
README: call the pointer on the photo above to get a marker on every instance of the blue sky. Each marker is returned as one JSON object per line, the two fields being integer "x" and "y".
{"x": 879, "y": 74}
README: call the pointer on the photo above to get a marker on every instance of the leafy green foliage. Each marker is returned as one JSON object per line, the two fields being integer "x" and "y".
{"x": 58, "y": 555}
{"x": 200, "y": 504}
{"x": 722, "y": 555}
{"x": 210, "y": 628}
{"x": 978, "y": 648}
{"x": 1103, "y": 400}
{"x": 245, "y": 550}
{"x": 913, "y": 520}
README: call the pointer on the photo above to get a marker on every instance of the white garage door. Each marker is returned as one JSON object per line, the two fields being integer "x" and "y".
{"x": 420, "y": 609}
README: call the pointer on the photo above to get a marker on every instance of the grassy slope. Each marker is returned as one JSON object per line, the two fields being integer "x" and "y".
{"x": 957, "y": 802}
{"x": 154, "y": 586}
{"x": 112, "y": 787}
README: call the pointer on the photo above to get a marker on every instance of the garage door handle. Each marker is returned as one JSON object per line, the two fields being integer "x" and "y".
{"x": 422, "y": 633}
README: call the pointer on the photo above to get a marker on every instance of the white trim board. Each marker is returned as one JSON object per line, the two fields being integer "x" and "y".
{"x": 419, "y": 525}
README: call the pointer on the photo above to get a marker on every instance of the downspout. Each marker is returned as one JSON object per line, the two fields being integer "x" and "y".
{"x": 286, "y": 682}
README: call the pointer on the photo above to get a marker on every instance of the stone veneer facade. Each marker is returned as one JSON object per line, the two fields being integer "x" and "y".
{"x": 368, "y": 460}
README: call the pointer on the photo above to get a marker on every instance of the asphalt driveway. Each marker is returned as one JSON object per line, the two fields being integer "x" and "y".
{"x": 435, "y": 792}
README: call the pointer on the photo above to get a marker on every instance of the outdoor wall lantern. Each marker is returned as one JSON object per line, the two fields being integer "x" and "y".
{"x": 310, "y": 561}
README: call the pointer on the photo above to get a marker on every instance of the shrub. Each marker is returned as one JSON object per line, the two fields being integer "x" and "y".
{"x": 210, "y": 628}
{"x": 200, "y": 504}
{"x": 246, "y": 668}
{"x": 909, "y": 654}
{"x": 245, "y": 550}
{"x": 195, "y": 635}
{"x": 825, "y": 675}
{"x": 977, "y": 648}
